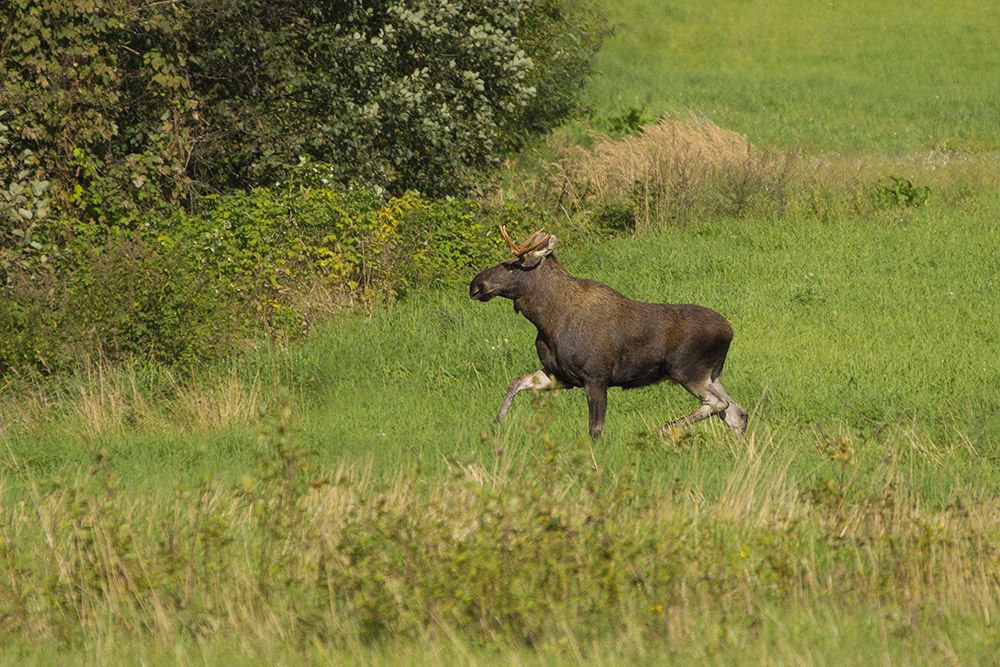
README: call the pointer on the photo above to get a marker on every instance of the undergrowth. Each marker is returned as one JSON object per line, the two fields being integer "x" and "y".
{"x": 541, "y": 550}
{"x": 179, "y": 288}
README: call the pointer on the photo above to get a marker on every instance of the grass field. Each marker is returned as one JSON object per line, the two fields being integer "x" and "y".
{"x": 852, "y": 324}
{"x": 348, "y": 499}
{"x": 841, "y": 76}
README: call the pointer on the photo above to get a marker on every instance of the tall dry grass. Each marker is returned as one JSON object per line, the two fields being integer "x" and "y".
{"x": 542, "y": 548}
{"x": 103, "y": 400}
{"x": 671, "y": 172}
{"x": 680, "y": 170}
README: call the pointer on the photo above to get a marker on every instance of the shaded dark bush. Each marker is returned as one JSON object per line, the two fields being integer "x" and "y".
{"x": 135, "y": 298}
{"x": 126, "y": 105}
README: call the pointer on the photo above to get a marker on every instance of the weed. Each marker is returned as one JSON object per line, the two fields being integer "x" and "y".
{"x": 629, "y": 121}
{"x": 900, "y": 192}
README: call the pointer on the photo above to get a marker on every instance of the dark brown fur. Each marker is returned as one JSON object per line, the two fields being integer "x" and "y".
{"x": 591, "y": 336}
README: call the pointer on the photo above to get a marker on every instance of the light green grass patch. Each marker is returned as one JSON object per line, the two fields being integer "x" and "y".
{"x": 846, "y": 76}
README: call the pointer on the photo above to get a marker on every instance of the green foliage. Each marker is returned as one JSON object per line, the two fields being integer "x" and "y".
{"x": 24, "y": 207}
{"x": 125, "y": 106}
{"x": 349, "y": 240}
{"x": 900, "y": 192}
{"x": 129, "y": 299}
{"x": 561, "y": 37}
{"x": 172, "y": 287}
{"x": 26, "y": 341}
{"x": 629, "y": 121}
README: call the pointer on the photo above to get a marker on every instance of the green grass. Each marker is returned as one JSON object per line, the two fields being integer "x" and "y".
{"x": 845, "y": 76}
{"x": 857, "y": 325}
{"x": 856, "y": 523}
{"x": 848, "y": 326}
{"x": 865, "y": 347}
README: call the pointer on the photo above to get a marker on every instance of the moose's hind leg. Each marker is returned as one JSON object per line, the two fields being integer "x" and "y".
{"x": 597, "y": 404}
{"x": 539, "y": 381}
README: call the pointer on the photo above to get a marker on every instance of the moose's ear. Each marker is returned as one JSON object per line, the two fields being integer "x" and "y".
{"x": 532, "y": 259}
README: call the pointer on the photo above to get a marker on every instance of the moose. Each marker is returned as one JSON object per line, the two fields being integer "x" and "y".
{"x": 591, "y": 336}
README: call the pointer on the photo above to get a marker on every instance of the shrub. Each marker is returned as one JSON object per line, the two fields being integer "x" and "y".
{"x": 173, "y": 287}
{"x": 899, "y": 192}
{"x": 130, "y": 298}
{"x": 173, "y": 99}
{"x": 26, "y": 343}
{"x": 362, "y": 249}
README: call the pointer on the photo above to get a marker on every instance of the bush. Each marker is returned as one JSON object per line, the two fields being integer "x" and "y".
{"x": 134, "y": 105}
{"x": 176, "y": 288}
{"x": 130, "y": 298}
{"x": 277, "y": 241}
{"x": 26, "y": 343}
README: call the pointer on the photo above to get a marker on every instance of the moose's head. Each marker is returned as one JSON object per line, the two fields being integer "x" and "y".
{"x": 511, "y": 277}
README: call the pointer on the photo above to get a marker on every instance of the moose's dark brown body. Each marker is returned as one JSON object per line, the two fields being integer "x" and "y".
{"x": 591, "y": 336}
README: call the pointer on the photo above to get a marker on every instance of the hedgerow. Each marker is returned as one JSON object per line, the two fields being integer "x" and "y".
{"x": 175, "y": 287}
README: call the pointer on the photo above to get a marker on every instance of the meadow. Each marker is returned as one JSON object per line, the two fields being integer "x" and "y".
{"x": 825, "y": 76}
{"x": 348, "y": 499}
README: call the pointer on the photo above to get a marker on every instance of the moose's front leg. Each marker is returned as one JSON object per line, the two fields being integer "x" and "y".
{"x": 597, "y": 403}
{"x": 539, "y": 381}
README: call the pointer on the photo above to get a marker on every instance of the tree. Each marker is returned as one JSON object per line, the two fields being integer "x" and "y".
{"x": 124, "y": 105}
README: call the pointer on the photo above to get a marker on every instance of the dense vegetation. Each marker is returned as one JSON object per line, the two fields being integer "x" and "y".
{"x": 179, "y": 176}
{"x": 178, "y": 288}
{"x": 168, "y": 100}
{"x": 252, "y": 417}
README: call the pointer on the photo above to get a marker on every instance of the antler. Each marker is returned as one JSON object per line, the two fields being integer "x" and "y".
{"x": 524, "y": 248}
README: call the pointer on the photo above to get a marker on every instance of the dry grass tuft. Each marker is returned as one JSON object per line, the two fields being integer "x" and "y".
{"x": 103, "y": 401}
{"x": 673, "y": 172}
{"x": 223, "y": 402}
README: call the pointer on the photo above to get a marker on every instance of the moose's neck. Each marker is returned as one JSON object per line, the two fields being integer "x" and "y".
{"x": 546, "y": 295}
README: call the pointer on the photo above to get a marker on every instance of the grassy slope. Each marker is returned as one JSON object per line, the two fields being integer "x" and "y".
{"x": 833, "y": 76}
